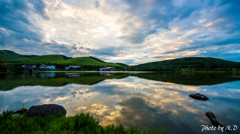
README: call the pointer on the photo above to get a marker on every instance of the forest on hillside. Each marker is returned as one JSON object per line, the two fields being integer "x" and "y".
{"x": 189, "y": 64}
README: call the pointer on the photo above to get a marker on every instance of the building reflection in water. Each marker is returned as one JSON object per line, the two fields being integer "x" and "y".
{"x": 72, "y": 75}
{"x": 47, "y": 74}
{"x": 107, "y": 74}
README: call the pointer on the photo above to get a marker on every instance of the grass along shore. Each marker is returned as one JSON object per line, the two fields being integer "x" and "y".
{"x": 80, "y": 123}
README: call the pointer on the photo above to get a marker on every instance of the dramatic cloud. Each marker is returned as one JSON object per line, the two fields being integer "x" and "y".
{"x": 128, "y": 31}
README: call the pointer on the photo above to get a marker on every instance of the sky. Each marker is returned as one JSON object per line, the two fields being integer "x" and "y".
{"x": 123, "y": 31}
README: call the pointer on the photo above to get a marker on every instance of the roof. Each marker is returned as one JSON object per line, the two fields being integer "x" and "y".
{"x": 108, "y": 67}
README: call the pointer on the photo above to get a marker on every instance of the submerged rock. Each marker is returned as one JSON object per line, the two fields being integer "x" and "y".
{"x": 198, "y": 96}
{"x": 45, "y": 110}
{"x": 213, "y": 119}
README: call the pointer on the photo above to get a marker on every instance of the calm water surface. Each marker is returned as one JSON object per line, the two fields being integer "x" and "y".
{"x": 157, "y": 100}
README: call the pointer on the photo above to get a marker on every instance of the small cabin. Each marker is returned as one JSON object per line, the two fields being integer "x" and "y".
{"x": 107, "y": 68}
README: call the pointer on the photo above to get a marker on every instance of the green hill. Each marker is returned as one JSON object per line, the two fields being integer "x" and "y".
{"x": 97, "y": 59}
{"x": 7, "y": 57}
{"x": 40, "y": 59}
{"x": 84, "y": 61}
{"x": 122, "y": 64}
{"x": 195, "y": 63}
{"x": 14, "y": 58}
{"x": 8, "y": 52}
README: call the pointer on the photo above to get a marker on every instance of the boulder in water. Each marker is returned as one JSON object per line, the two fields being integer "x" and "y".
{"x": 213, "y": 119}
{"x": 45, "y": 110}
{"x": 198, "y": 96}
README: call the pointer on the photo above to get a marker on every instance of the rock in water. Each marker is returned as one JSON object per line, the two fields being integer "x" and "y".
{"x": 198, "y": 96}
{"x": 45, "y": 110}
{"x": 213, "y": 119}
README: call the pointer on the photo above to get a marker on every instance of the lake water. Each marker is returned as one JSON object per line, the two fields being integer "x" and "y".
{"x": 156, "y": 100}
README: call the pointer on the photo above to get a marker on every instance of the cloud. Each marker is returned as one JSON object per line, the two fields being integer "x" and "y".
{"x": 15, "y": 19}
{"x": 39, "y": 7}
{"x": 97, "y": 4}
{"x": 132, "y": 32}
{"x": 108, "y": 51}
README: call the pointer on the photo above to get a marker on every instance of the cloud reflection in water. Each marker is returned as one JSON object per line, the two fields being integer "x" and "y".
{"x": 137, "y": 101}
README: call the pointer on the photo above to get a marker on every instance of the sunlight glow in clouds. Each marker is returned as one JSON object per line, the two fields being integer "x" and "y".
{"x": 129, "y": 31}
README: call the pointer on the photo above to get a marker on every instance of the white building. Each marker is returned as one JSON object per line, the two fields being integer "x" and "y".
{"x": 74, "y": 66}
{"x": 47, "y": 67}
{"x": 51, "y": 67}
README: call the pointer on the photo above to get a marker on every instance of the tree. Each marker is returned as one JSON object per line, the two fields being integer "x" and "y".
{"x": 3, "y": 68}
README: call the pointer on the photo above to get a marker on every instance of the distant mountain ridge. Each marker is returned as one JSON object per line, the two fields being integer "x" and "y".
{"x": 16, "y": 58}
{"x": 199, "y": 63}
{"x": 194, "y": 63}
{"x": 7, "y": 52}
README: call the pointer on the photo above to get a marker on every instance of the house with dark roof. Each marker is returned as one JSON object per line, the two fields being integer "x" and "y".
{"x": 107, "y": 68}
{"x": 29, "y": 66}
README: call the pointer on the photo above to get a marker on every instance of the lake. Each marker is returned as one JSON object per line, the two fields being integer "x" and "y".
{"x": 146, "y": 99}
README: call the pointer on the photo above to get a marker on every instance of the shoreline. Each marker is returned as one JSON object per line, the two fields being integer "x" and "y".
{"x": 106, "y": 71}
{"x": 149, "y": 71}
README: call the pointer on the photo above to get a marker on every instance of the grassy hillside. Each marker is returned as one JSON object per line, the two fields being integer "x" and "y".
{"x": 12, "y": 56}
{"x": 8, "y": 52}
{"x": 40, "y": 59}
{"x": 196, "y": 63}
{"x": 7, "y": 57}
{"x": 97, "y": 59}
{"x": 84, "y": 61}
{"x": 15, "y": 58}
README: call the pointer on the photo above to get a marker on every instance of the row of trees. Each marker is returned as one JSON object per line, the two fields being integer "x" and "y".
{"x": 183, "y": 68}
{"x": 189, "y": 64}
{"x": 3, "y": 68}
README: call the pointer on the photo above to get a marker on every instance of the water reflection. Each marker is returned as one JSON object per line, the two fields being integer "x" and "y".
{"x": 107, "y": 74}
{"x": 11, "y": 81}
{"x": 47, "y": 74}
{"x": 72, "y": 75}
{"x": 27, "y": 75}
{"x": 135, "y": 100}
